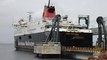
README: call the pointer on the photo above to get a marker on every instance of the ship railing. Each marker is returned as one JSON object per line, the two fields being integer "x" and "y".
{"x": 41, "y": 43}
{"x": 82, "y": 49}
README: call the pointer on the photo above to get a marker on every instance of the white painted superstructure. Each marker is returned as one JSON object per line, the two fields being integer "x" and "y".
{"x": 37, "y": 27}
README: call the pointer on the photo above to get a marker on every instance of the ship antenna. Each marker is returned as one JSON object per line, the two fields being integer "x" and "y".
{"x": 30, "y": 16}
{"x": 48, "y": 3}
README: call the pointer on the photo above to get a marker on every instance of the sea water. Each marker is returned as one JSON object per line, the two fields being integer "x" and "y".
{"x": 7, "y": 52}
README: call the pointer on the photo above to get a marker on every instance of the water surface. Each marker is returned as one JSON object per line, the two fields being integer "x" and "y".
{"x": 7, "y": 52}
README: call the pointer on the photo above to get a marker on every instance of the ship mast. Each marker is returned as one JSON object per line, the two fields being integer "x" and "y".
{"x": 30, "y": 16}
{"x": 48, "y": 3}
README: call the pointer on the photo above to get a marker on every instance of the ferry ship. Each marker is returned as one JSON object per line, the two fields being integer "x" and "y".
{"x": 28, "y": 33}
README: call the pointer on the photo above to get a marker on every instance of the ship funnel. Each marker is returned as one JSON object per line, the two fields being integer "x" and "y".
{"x": 49, "y": 12}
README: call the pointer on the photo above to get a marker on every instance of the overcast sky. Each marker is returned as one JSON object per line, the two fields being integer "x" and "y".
{"x": 13, "y": 10}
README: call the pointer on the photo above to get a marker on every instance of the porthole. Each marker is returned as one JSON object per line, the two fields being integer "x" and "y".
{"x": 29, "y": 37}
{"x": 20, "y": 37}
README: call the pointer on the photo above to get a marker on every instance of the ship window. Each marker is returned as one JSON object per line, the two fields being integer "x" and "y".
{"x": 70, "y": 27}
{"x": 47, "y": 26}
{"x": 29, "y": 36}
{"x": 19, "y": 37}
